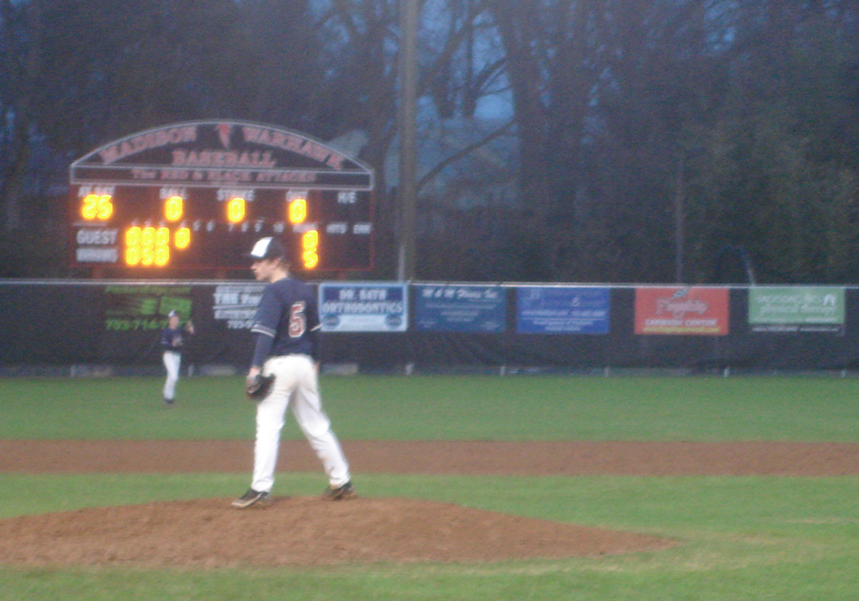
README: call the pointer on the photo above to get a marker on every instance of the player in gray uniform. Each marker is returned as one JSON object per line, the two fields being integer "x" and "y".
{"x": 285, "y": 331}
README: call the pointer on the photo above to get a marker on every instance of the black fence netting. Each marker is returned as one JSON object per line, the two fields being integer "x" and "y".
{"x": 445, "y": 326}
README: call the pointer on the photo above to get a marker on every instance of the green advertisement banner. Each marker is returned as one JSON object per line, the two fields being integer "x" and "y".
{"x": 797, "y": 309}
{"x": 136, "y": 307}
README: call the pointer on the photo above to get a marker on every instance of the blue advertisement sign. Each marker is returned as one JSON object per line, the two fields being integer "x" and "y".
{"x": 562, "y": 310}
{"x": 452, "y": 308}
{"x": 363, "y": 307}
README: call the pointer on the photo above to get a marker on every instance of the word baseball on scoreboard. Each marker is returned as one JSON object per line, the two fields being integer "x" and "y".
{"x": 199, "y": 194}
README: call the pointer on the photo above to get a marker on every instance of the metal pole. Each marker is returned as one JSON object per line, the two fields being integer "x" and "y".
{"x": 679, "y": 221}
{"x": 408, "y": 135}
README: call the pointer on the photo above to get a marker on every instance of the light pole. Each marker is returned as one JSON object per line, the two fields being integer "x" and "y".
{"x": 407, "y": 190}
{"x": 679, "y": 219}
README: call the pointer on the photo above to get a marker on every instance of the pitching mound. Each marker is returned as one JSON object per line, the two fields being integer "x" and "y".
{"x": 298, "y": 531}
{"x": 302, "y": 531}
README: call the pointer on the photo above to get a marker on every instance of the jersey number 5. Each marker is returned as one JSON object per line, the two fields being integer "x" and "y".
{"x": 297, "y": 320}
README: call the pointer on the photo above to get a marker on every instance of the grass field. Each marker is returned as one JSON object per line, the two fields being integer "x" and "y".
{"x": 744, "y": 538}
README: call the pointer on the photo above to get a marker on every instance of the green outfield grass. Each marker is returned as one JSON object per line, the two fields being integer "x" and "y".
{"x": 743, "y": 538}
{"x": 451, "y": 408}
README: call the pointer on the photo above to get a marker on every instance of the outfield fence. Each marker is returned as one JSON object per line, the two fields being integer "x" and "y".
{"x": 98, "y": 328}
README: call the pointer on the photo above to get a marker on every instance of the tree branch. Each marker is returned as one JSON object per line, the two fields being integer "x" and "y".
{"x": 463, "y": 152}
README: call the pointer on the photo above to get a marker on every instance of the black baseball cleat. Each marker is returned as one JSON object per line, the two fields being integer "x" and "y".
{"x": 341, "y": 493}
{"x": 252, "y": 497}
{"x": 168, "y": 402}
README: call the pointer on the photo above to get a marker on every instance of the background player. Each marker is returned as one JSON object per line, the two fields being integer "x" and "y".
{"x": 286, "y": 330}
{"x": 172, "y": 341}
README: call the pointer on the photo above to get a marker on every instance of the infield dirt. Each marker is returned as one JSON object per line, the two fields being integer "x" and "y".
{"x": 208, "y": 533}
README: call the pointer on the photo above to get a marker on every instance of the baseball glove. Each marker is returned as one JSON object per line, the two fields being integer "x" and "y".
{"x": 258, "y": 387}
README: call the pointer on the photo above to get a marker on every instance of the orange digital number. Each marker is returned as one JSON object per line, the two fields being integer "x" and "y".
{"x": 297, "y": 210}
{"x": 97, "y": 206}
{"x": 132, "y": 246}
{"x": 310, "y": 246}
{"x": 174, "y": 208}
{"x": 147, "y": 246}
{"x": 236, "y": 209}
{"x": 182, "y": 238}
{"x": 162, "y": 255}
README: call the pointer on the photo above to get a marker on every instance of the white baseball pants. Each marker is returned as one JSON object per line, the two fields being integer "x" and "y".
{"x": 172, "y": 362}
{"x": 295, "y": 383}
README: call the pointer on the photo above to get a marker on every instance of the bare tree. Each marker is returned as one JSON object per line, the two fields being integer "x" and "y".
{"x": 19, "y": 24}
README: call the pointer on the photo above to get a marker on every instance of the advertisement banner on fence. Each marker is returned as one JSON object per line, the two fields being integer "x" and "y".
{"x": 451, "y": 308}
{"x": 681, "y": 310}
{"x": 143, "y": 307}
{"x": 562, "y": 310}
{"x": 236, "y": 304}
{"x": 796, "y": 309}
{"x": 363, "y": 307}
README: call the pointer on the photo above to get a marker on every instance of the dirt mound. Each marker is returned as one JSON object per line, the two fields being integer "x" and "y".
{"x": 209, "y": 533}
{"x": 303, "y": 531}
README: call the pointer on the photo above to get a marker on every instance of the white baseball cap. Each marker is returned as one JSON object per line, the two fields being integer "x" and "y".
{"x": 267, "y": 248}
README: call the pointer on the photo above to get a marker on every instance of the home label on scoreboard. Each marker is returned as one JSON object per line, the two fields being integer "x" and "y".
{"x": 197, "y": 195}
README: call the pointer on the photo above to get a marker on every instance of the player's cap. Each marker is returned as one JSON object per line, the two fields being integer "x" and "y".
{"x": 267, "y": 248}
{"x": 173, "y": 313}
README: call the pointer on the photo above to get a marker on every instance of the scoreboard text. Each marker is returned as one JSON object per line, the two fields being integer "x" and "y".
{"x": 198, "y": 195}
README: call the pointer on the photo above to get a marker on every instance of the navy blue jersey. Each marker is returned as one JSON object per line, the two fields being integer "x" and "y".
{"x": 172, "y": 339}
{"x": 286, "y": 321}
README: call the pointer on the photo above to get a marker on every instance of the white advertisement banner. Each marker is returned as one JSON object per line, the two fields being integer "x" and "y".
{"x": 363, "y": 307}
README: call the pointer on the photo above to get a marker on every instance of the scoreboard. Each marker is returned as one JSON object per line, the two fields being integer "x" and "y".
{"x": 197, "y": 195}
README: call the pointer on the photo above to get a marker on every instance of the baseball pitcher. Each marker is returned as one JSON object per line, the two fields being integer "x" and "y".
{"x": 283, "y": 373}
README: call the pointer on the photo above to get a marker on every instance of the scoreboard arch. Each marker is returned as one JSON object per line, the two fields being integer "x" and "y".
{"x": 196, "y": 195}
